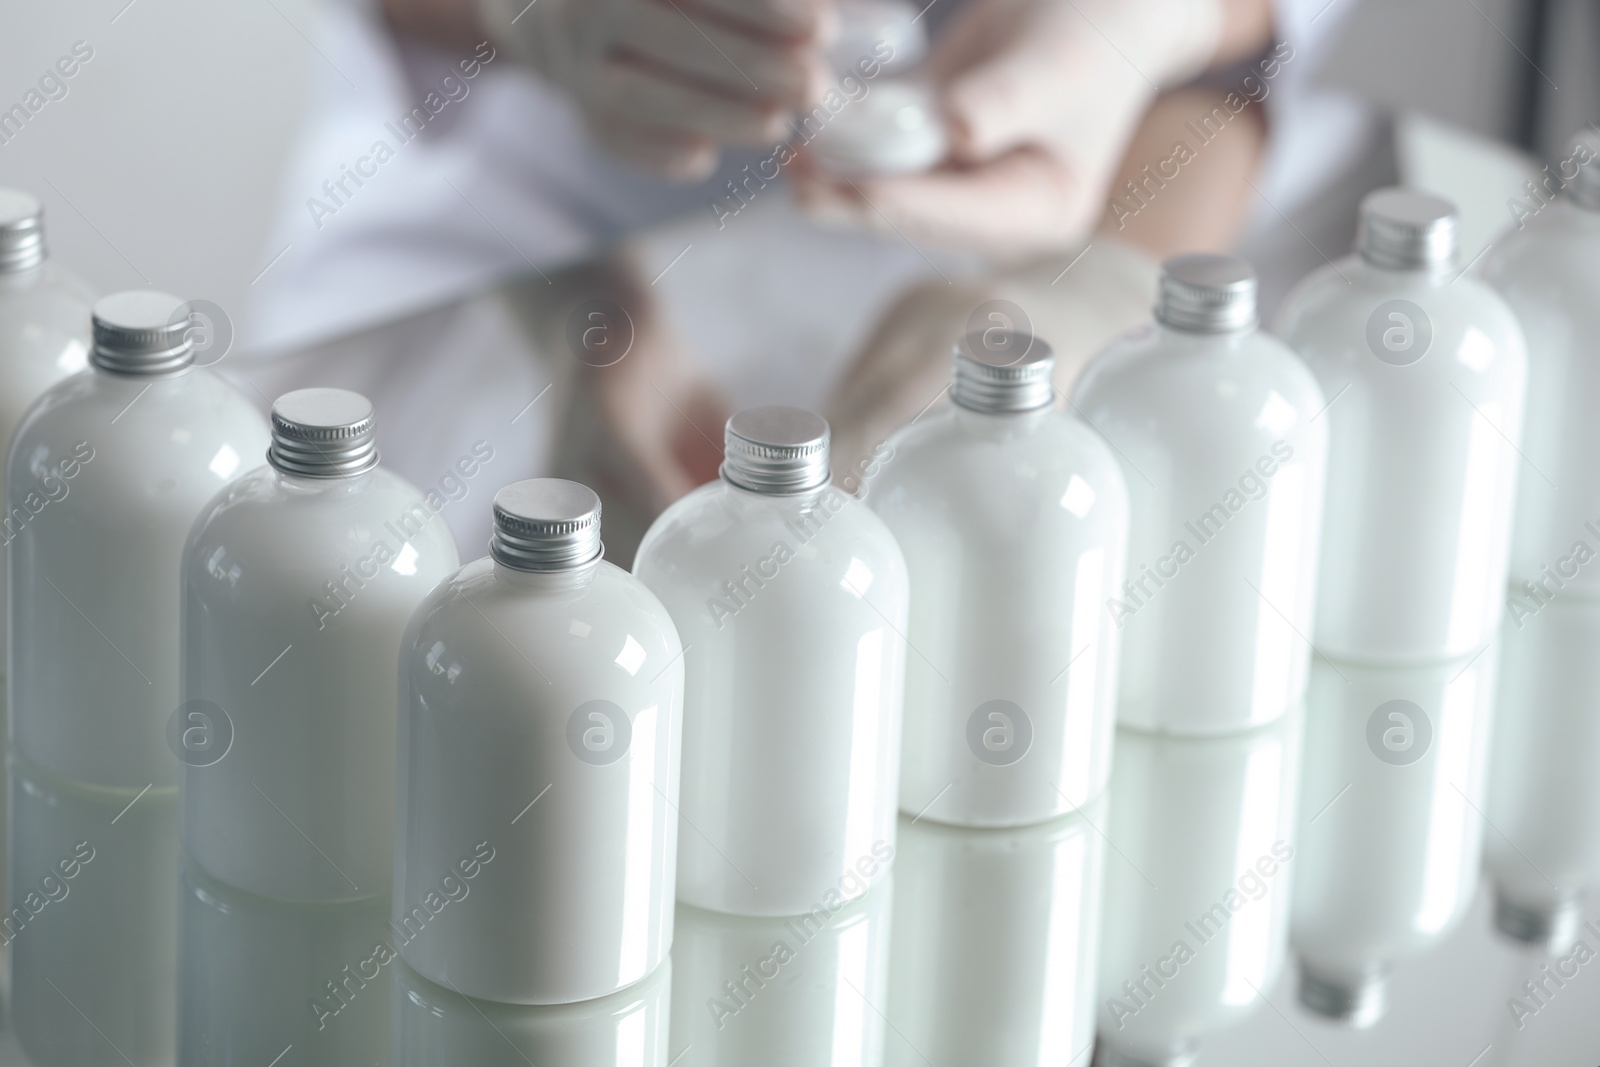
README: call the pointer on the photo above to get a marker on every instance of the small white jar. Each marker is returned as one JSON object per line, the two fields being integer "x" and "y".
{"x": 791, "y": 598}
{"x": 1548, "y": 271}
{"x": 1391, "y": 830}
{"x": 434, "y": 1026}
{"x": 996, "y": 939}
{"x": 1543, "y": 854}
{"x": 541, "y": 714}
{"x": 138, "y": 445}
{"x": 1216, "y": 425}
{"x": 1424, "y": 373}
{"x": 1199, "y": 874}
{"x": 298, "y": 582}
{"x": 889, "y": 119}
{"x": 784, "y": 992}
{"x": 1013, "y": 518}
{"x": 44, "y": 328}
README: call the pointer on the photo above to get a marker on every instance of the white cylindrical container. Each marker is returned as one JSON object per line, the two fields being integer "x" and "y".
{"x": 299, "y": 579}
{"x": 1197, "y": 891}
{"x": 996, "y": 941}
{"x": 1217, "y": 428}
{"x": 791, "y": 600}
{"x": 541, "y": 714}
{"x": 1424, "y": 373}
{"x": 141, "y": 442}
{"x": 1198, "y": 883}
{"x": 1013, "y": 518}
{"x": 791, "y": 992}
{"x": 44, "y": 336}
{"x": 1543, "y": 854}
{"x": 1548, "y": 271}
{"x": 257, "y": 976}
{"x": 93, "y": 926}
{"x": 890, "y": 121}
{"x": 1390, "y": 825}
{"x": 434, "y": 1026}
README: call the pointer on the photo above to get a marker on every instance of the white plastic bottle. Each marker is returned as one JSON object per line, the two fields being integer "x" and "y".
{"x": 1217, "y": 428}
{"x": 889, "y": 121}
{"x": 44, "y": 336}
{"x": 299, "y": 579}
{"x": 113, "y": 466}
{"x": 1543, "y": 854}
{"x": 44, "y": 325}
{"x": 791, "y": 600}
{"x": 541, "y": 697}
{"x": 1391, "y": 830}
{"x": 783, "y": 992}
{"x": 1013, "y": 518}
{"x": 1548, "y": 271}
{"x": 996, "y": 941}
{"x": 628, "y": 1028}
{"x": 1424, "y": 373}
{"x": 1199, "y": 874}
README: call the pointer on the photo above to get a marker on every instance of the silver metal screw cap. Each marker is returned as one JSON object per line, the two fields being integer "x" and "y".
{"x": 776, "y": 450}
{"x": 1003, "y": 372}
{"x": 546, "y": 524}
{"x": 21, "y": 232}
{"x": 142, "y": 333}
{"x": 1402, "y": 229}
{"x": 323, "y": 433}
{"x": 1206, "y": 293}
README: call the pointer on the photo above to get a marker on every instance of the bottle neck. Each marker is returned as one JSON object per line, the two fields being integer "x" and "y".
{"x": 303, "y": 484}
{"x": 567, "y": 580}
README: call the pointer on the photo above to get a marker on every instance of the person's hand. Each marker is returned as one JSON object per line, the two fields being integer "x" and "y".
{"x": 1040, "y": 98}
{"x": 665, "y": 83}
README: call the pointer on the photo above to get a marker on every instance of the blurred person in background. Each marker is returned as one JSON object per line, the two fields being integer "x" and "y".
{"x": 593, "y": 122}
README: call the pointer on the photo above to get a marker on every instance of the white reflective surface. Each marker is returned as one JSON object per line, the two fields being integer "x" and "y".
{"x": 995, "y": 943}
{"x": 1202, "y": 860}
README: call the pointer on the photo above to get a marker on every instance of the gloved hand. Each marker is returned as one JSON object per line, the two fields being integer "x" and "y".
{"x": 1040, "y": 98}
{"x": 665, "y": 83}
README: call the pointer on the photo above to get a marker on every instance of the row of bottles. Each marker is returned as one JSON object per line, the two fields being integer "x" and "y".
{"x": 594, "y": 757}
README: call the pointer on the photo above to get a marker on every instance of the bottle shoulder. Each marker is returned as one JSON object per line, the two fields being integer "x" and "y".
{"x": 263, "y": 516}
{"x": 1035, "y": 456}
{"x": 196, "y": 405}
{"x": 574, "y": 620}
{"x": 1344, "y": 315}
{"x": 714, "y": 530}
{"x": 1553, "y": 262}
{"x": 155, "y": 445}
{"x": 1158, "y": 377}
